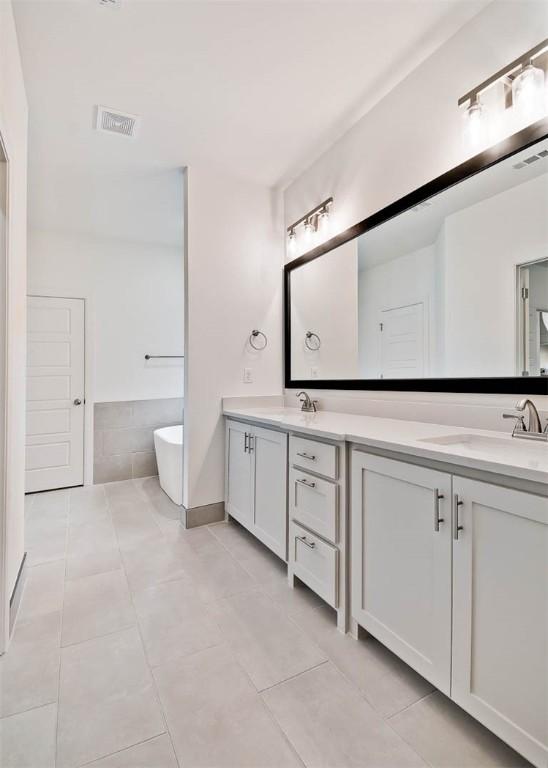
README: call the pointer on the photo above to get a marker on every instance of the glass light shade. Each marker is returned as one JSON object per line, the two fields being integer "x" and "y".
{"x": 292, "y": 243}
{"x": 323, "y": 225}
{"x": 475, "y": 129}
{"x": 528, "y": 95}
{"x": 308, "y": 235}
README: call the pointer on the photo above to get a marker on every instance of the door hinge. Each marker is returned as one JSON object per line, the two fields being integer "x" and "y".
{"x": 525, "y": 293}
{"x": 381, "y": 327}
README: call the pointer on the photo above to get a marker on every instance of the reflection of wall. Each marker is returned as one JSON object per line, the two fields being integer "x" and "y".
{"x": 410, "y": 279}
{"x": 483, "y": 245}
{"x": 324, "y": 297}
{"x": 538, "y": 300}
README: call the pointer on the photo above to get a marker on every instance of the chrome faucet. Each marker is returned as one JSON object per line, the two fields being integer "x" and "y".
{"x": 533, "y": 429}
{"x": 308, "y": 405}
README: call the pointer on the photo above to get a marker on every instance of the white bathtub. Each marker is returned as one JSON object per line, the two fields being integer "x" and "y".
{"x": 168, "y": 443}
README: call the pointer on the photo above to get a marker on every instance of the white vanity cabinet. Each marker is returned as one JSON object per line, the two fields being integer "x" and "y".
{"x": 452, "y": 575}
{"x": 500, "y": 613}
{"x": 256, "y": 482}
{"x": 317, "y": 520}
{"x": 401, "y": 561}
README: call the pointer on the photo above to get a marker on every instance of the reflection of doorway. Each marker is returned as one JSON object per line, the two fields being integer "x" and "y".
{"x": 402, "y": 342}
{"x": 532, "y": 303}
{"x": 55, "y": 393}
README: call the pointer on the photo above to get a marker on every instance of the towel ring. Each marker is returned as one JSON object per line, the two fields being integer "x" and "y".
{"x": 254, "y": 335}
{"x": 316, "y": 345}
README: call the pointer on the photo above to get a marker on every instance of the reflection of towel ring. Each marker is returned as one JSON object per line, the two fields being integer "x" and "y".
{"x": 254, "y": 335}
{"x": 315, "y": 344}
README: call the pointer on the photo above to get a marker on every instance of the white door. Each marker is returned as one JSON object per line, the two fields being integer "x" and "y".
{"x": 500, "y": 613}
{"x": 401, "y": 561}
{"x": 402, "y": 342}
{"x": 239, "y": 485}
{"x": 269, "y": 452}
{"x": 55, "y": 393}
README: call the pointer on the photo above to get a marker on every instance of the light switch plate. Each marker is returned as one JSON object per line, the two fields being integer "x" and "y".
{"x": 248, "y": 375}
{"x": 314, "y": 373}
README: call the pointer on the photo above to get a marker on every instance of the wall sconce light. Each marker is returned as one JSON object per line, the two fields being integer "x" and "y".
{"x": 524, "y": 95}
{"x": 315, "y": 227}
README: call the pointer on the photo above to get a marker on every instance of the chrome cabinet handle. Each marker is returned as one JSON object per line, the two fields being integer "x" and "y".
{"x": 246, "y": 442}
{"x": 251, "y": 446}
{"x": 309, "y": 544}
{"x": 304, "y": 455}
{"x": 302, "y": 481}
{"x": 456, "y": 526}
{"x": 437, "y": 519}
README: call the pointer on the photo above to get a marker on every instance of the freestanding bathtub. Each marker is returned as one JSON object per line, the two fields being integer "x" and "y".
{"x": 168, "y": 443}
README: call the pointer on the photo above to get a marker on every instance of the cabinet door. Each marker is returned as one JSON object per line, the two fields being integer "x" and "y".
{"x": 269, "y": 454}
{"x": 401, "y": 561}
{"x": 239, "y": 486}
{"x": 500, "y": 613}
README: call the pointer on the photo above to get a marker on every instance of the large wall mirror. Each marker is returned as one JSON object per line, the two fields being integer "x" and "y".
{"x": 446, "y": 289}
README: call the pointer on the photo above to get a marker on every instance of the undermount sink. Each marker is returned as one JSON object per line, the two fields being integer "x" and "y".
{"x": 482, "y": 444}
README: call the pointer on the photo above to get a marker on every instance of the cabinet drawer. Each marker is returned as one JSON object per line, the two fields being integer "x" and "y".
{"x": 313, "y": 455}
{"x": 314, "y": 503}
{"x": 315, "y": 562}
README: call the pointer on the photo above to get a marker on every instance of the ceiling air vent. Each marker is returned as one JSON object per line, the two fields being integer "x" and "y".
{"x": 110, "y": 121}
{"x": 530, "y": 160}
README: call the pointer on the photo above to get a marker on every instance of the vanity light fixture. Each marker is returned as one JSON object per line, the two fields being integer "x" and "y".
{"x": 524, "y": 95}
{"x": 315, "y": 226}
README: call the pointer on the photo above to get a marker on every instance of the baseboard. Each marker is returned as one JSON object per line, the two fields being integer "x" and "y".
{"x": 209, "y": 513}
{"x": 17, "y": 594}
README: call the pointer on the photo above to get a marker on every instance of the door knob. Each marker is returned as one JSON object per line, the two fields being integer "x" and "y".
{"x": 77, "y": 401}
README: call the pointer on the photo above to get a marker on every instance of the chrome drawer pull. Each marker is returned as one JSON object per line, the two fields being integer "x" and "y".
{"x": 310, "y": 544}
{"x": 302, "y": 481}
{"x": 304, "y": 455}
{"x": 437, "y": 519}
{"x": 456, "y": 526}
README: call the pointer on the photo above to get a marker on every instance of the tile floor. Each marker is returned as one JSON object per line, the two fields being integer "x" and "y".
{"x": 141, "y": 645}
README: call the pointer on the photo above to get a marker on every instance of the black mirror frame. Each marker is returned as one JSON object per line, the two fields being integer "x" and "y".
{"x": 531, "y": 385}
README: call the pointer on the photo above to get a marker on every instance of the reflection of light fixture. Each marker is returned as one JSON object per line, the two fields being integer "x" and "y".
{"x": 524, "y": 100}
{"x": 474, "y": 133}
{"x": 315, "y": 224}
{"x": 528, "y": 94}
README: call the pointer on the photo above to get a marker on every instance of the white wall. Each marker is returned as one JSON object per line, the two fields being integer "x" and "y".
{"x": 483, "y": 245}
{"x": 414, "y": 133}
{"x": 234, "y": 284}
{"x": 13, "y": 128}
{"x": 134, "y": 306}
{"x": 324, "y": 300}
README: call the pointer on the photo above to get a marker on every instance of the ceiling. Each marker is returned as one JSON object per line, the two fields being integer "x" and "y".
{"x": 258, "y": 88}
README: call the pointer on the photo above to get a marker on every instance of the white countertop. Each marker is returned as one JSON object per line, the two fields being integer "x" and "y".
{"x": 487, "y": 451}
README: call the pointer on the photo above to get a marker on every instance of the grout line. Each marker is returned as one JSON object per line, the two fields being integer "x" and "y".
{"x": 413, "y": 703}
{"x": 293, "y": 677}
{"x": 123, "y": 749}
{"x": 30, "y": 709}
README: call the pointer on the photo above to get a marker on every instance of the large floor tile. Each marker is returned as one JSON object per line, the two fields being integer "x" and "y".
{"x": 215, "y": 716}
{"x": 387, "y": 683}
{"x": 105, "y": 686}
{"x": 293, "y": 601}
{"x": 29, "y": 670}
{"x": 45, "y": 537}
{"x": 269, "y": 646}
{"x": 174, "y": 621}
{"x": 27, "y": 740}
{"x": 91, "y": 537}
{"x": 330, "y": 724}
{"x": 217, "y": 574}
{"x": 166, "y": 513}
{"x": 155, "y": 753}
{"x": 447, "y": 737}
{"x": 51, "y": 503}
{"x": 148, "y": 565}
{"x": 135, "y": 526}
{"x": 103, "y": 561}
{"x": 87, "y": 504}
{"x": 95, "y": 606}
{"x": 262, "y": 564}
{"x": 44, "y": 589}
